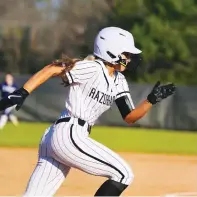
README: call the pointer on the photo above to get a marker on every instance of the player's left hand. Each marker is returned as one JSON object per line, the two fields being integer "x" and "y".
{"x": 160, "y": 92}
{"x": 16, "y": 98}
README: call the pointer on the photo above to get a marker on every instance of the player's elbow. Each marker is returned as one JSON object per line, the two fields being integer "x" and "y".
{"x": 129, "y": 121}
{"x": 132, "y": 117}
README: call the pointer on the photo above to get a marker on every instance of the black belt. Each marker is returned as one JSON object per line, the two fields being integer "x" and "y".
{"x": 80, "y": 122}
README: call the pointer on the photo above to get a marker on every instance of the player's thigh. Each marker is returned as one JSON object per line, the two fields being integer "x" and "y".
{"x": 71, "y": 145}
{"x": 46, "y": 178}
{"x": 112, "y": 158}
{"x": 122, "y": 172}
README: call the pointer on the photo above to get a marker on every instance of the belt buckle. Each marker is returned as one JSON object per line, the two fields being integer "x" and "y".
{"x": 81, "y": 122}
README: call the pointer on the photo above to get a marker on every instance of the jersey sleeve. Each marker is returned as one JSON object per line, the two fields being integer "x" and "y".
{"x": 82, "y": 72}
{"x": 123, "y": 90}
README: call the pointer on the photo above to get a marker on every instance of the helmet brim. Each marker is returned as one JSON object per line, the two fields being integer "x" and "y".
{"x": 134, "y": 50}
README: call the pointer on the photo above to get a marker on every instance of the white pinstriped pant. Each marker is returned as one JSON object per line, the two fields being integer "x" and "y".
{"x": 67, "y": 145}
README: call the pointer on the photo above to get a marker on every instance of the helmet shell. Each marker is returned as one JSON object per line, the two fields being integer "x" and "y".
{"x": 111, "y": 42}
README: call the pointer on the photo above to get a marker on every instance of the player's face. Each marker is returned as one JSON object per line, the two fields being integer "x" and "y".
{"x": 9, "y": 79}
{"x": 121, "y": 67}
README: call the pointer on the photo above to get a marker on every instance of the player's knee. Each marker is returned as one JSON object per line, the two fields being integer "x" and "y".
{"x": 129, "y": 177}
{"x": 125, "y": 176}
{"x": 128, "y": 174}
{"x": 123, "y": 182}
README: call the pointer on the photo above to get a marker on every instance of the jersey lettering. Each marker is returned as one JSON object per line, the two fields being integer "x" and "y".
{"x": 101, "y": 97}
{"x": 97, "y": 96}
{"x": 93, "y": 90}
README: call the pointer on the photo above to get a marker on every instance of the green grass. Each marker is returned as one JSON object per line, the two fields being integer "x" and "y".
{"x": 116, "y": 138}
{"x": 147, "y": 140}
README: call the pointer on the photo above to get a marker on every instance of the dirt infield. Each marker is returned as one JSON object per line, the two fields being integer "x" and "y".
{"x": 154, "y": 174}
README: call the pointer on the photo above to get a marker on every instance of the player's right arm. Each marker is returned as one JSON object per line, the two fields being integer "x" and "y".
{"x": 42, "y": 76}
{"x": 80, "y": 73}
{"x": 18, "y": 97}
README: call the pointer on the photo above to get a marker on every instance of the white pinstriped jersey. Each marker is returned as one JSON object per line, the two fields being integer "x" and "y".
{"x": 92, "y": 90}
{"x": 67, "y": 145}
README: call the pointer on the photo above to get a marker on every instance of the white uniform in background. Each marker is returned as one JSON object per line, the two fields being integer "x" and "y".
{"x": 7, "y": 114}
{"x": 67, "y": 143}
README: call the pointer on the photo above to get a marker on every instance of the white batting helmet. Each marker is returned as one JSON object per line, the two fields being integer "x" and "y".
{"x": 111, "y": 42}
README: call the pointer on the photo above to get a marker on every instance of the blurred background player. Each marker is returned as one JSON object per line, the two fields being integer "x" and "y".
{"x": 7, "y": 87}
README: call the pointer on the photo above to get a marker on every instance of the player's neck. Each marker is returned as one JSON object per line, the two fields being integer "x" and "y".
{"x": 110, "y": 70}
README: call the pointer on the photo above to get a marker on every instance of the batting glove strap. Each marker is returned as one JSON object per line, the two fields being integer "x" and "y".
{"x": 16, "y": 98}
{"x": 151, "y": 98}
{"x": 22, "y": 92}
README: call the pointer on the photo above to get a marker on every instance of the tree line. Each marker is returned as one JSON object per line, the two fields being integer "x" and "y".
{"x": 34, "y": 32}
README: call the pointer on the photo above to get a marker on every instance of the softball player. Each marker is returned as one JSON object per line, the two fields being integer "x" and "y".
{"x": 91, "y": 88}
{"x": 7, "y": 87}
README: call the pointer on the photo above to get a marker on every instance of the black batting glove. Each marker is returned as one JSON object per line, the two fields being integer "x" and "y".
{"x": 16, "y": 98}
{"x": 159, "y": 93}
